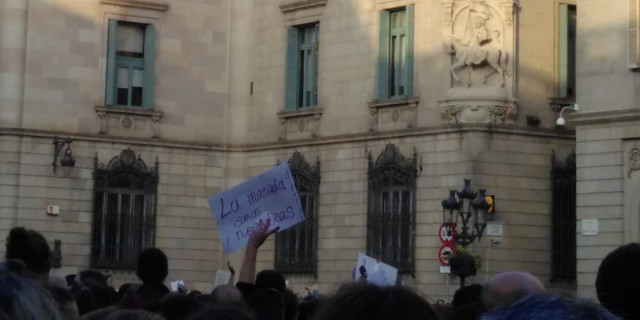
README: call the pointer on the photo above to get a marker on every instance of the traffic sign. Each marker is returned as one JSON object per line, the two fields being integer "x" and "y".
{"x": 446, "y": 250}
{"x": 447, "y": 233}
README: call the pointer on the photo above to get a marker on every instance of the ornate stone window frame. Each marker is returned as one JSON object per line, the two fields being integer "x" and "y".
{"x": 301, "y": 123}
{"x": 393, "y": 174}
{"x": 403, "y": 114}
{"x": 303, "y": 261}
{"x": 138, "y": 11}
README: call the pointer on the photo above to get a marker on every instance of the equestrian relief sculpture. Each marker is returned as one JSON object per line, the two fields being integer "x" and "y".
{"x": 479, "y": 46}
{"x": 479, "y": 35}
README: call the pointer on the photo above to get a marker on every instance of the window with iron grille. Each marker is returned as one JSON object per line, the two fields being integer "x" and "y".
{"x": 296, "y": 248}
{"x": 124, "y": 208}
{"x": 563, "y": 220}
{"x": 391, "y": 209}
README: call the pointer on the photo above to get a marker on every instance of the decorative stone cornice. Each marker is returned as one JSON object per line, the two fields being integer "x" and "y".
{"x": 542, "y": 133}
{"x": 603, "y": 117}
{"x": 158, "y": 5}
{"x": 299, "y": 124}
{"x": 127, "y": 119}
{"x": 291, "y": 6}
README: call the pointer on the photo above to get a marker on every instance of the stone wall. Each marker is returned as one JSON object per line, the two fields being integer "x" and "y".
{"x": 184, "y": 227}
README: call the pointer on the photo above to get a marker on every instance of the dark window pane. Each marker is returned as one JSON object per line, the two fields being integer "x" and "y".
{"x": 136, "y": 96}
{"x": 123, "y": 96}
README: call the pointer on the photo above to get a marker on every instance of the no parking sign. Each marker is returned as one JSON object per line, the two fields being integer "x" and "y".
{"x": 446, "y": 250}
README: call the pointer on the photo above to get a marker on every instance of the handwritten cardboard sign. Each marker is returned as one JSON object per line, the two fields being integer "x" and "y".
{"x": 378, "y": 273}
{"x": 248, "y": 206}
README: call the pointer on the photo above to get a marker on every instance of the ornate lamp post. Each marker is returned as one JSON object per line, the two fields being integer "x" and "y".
{"x": 471, "y": 208}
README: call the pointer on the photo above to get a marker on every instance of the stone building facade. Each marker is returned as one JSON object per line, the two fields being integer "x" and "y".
{"x": 606, "y": 134}
{"x": 208, "y": 93}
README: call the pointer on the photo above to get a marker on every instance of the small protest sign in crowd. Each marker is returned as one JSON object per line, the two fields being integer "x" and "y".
{"x": 246, "y": 216}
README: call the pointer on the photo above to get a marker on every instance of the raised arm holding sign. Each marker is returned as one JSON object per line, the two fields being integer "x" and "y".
{"x": 268, "y": 199}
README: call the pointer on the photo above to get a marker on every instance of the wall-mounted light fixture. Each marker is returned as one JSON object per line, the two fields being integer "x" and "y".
{"x": 67, "y": 159}
{"x": 561, "y": 121}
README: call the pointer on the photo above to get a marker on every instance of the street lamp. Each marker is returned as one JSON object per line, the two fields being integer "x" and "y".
{"x": 469, "y": 206}
{"x": 67, "y": 160}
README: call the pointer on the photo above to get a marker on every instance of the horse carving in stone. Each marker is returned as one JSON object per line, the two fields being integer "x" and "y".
{"x": 477, "y": 55}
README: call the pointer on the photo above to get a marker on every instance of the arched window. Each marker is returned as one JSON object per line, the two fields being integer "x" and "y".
{"x": 124, "y": 209}
{"x": 297, "y": 248}
{"x": 391, "y": 216}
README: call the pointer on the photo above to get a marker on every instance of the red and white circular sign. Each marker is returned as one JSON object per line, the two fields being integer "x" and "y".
{"x": 447, "y": 233}
{"x": 445, "y": 251}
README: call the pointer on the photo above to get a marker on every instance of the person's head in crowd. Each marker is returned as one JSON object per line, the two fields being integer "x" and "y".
{"x": 176, "y": 306}
{"x": 271, "y": 279}
{"x": 225, "y": 312}
{"x": 32, "y": 249}
{"x": 467, "y": 303}
{"x": 467, "y": 295}
{"x": 86, "y": 302}
{"x": 369, "y": 302}
{"x": 508, "y": 287}
{"x": 123, "y": 290}
{"x": 23, "y": 298}
{"x": 226, "y": 294}
{"x": 546, "y": 307}
{"x": 133, "y": 315}
{"x": 471, "y": 311}
{"x": 268, "y": 303}
{"x": 194, "y": 293}
{"x": 618, "y": 282}
{"x": 91, "y": 277}
{"x": 100, "y": 314}
{"x": 153, "y": 266}
{"x": 66, "y": 303}
{"x": 308, "y": 308}
{"x": 290, "y": 305}
{"x": 445, "y": 311}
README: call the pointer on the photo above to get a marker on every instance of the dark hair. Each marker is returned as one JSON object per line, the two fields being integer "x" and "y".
{"x": 30, "y": 247}
{"x": 467, "y": 295}
{"x": 618, "y": 281}
{"x": 153, "y": 266}
{"x": 226, "y": 294}
{"x": 65, "y": 301}
{"x": 225, "y": 312}
{"x": 290, "y": 305}
{"x": 271, "y": 279}
{"x": 133, "y": 315}
{"x": 369, "y": 302}
{"x": 308, "y": 309}
{"x": 550, "y": 307}
{"x": 176, "y": 306}
{"x": 22, "y": 298}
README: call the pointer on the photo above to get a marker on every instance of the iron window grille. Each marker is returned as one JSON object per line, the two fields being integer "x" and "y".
{"x": 563, "y": 220}
{"x": 124, "y": 209}
{"x": 391, "y": 209}
{"x": 296, "y": 249}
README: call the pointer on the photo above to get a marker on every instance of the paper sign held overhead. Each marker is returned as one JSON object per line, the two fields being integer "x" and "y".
{"x": 222, "y": 278}
{"x": 378, "y": 273}
{"x": 270, "y": 196}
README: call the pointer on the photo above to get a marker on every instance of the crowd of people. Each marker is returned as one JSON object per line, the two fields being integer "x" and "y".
{"x": 29, "y": 292}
